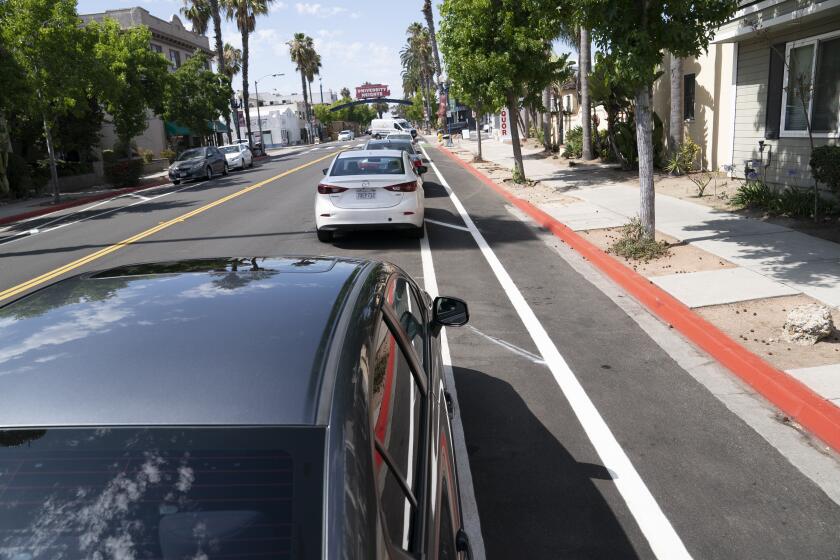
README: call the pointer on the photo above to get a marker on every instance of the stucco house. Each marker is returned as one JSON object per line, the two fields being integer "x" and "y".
{"x": 740, "y": 98}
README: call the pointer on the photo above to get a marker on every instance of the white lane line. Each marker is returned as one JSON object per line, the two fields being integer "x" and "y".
{"x": 469, "y": 508}
{"x": 508, "y": 346}
{"x": 42, "y": 230}
{"x": 444, "y": 224}
{"x": 658, "y": 531}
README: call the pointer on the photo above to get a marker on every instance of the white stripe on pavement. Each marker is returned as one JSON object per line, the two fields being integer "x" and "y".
{"x": 469, "y": 508}
{"x": 444, "y": 224}
{"x": 658, "y": 531}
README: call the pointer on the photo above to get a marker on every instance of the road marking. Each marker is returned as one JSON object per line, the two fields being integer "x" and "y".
{"x": 508, "y": 346}
{"x": 469, "y": 508}
{"x": 46, "y": 277}
{"x": 658, "y": 531}
{"x": 444, "y": 224}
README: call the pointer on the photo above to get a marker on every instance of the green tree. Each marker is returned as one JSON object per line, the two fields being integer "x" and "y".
{"x": 505, "y": 44}
{"x": 52, "y": 54}
{"x": 231, "y": 67}
{"x": 635, "y": 33}
{"x": 196, "y": 97}
{"x": 244, "y": 13}
{"x": 132, "y": 76}
{"x": 608, "y": 89}
{"x": 302, "y": 53}
{"x": 414, "y": 112}
{"x": 418, "y": 64}
{"x": 200, "y": 13}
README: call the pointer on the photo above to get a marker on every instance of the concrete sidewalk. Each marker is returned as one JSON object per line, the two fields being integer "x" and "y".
{"x": 770, "y": 260}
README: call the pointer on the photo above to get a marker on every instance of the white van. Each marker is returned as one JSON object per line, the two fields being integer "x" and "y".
{"x": 380, "y": 128}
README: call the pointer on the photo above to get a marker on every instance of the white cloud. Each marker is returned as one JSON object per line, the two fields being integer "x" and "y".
{"x": 277, "y": 6}
{"x": 319, "y": 10}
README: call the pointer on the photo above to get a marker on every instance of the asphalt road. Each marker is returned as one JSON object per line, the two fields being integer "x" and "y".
{"x": 589, "y": 442}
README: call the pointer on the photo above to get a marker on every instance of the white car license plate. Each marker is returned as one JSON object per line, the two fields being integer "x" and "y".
{"x": 365, "y": 194}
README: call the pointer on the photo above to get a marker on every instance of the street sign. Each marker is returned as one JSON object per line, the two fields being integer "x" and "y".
{"x": 372, "y": 91}
{"x": 504, "y": 125}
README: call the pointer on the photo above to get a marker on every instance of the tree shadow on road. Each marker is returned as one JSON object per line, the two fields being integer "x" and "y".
{"x": 534, "y": 499}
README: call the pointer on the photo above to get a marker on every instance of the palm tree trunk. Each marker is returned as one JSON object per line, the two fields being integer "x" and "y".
{"x": 675, "y": 124}
{"x": 305, "y": 106}
{"x": 245, "y": 87}
{"x": 644, "y": 139}
{"x": 215, "y": 13}
{"x": 430, "y": 23}
{"x": 585, "y": 102}
{"x": 513, "y": 109}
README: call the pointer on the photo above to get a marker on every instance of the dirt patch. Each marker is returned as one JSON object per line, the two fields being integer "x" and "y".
{"x": 757, "y": 325}
{"x": 716, "y": 195}
{"x": 682, "y": 258}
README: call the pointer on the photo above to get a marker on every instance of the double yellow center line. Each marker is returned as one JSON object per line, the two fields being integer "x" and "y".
{"x": 47, "y": 276}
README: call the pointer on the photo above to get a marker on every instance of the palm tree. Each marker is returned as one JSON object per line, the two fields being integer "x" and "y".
{"x": 200, "y": 13}
{"x": 302, "y": 53}
{"x": 244, "y": 13}
{"x": 418, "y": 67}
{"x": 313, "y": 70}
{"x": 675, "y": 119}
{"x": 231, "y": 66}
{"x": 345, "y": 92}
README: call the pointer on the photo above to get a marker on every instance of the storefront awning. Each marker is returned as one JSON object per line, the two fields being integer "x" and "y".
{"x": 174, "y": 129}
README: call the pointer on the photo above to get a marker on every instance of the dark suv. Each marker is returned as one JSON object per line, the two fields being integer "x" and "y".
{"x": 229, "y": 408}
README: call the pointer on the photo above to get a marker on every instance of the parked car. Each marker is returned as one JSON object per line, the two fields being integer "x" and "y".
{"x": 370, "y": 190}
{"x": 400, "y": 136}
{"x": 238, "y": 156}
{"x": 397, "y": 143}
{"x": 197, "y": 163}
{"x": 345, "y": 135}
{"x": 316, "y": 428}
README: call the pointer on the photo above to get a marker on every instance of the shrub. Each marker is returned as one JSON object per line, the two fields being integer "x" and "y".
{"x": 701, "y": 181}
{"x": 108, "y": 156}
{"x": 20, "y": 176}
{"x": 124, "y": 173}
{"x": 168, "y": 154}
{"x": 682, "y": 161}
{"x": 793, "y": 202}
{"x": 146, "y": 154}
{"x": 633, "y": 244}
{"x": 574, "y": 143}
{"x": 753, "y": 194}
{"x": 825, "y": 165}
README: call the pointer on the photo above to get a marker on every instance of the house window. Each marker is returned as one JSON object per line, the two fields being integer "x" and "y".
{"x": 157, "y": 48}
{"x": 688, "y": 97}
{"x": 812, "y": 86}
{"x": 175, "y": 58}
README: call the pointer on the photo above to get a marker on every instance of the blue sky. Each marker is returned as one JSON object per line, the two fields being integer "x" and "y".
{"x": 358, "y": 40}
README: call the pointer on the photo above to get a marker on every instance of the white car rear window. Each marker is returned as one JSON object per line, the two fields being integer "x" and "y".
{"x": 368, "y": 165}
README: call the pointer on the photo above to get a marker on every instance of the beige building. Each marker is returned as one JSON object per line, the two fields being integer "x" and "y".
{"x": 176, "y": 43}
{"x": 744, "y": 111}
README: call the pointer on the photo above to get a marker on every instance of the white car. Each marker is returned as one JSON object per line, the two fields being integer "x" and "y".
{"x": 345, "y": 135}
{"x": 365, "y": 190}
{"x": 400, "y": 136}
{"x": 238, "y": 156}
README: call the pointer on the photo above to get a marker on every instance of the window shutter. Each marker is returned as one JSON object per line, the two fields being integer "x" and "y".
{"x": 775, "y": 79}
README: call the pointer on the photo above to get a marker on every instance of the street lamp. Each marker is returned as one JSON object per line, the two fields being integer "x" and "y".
{"x": 259, "y": 118}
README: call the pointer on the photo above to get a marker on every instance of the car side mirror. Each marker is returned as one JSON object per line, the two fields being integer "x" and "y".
{"x": 450, "y": 312}
{"x": 324, "y": 170}
{"x": 422, "y": 169}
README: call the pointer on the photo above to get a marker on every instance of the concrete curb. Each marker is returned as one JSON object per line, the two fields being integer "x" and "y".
{"x": 77, "y": 202}
{"x": 795, "y": 399}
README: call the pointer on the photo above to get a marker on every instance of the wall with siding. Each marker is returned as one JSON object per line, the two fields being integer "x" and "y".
{"x": 788, "y": 163}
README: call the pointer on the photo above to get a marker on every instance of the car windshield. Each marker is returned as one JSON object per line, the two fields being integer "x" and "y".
{"x": 344, "y": 132}
{"x": 403, "y": 145}
{"x": 368, "y": 165}
{"x": 194, "y": 153}
{"x": 230, "y": 149}
{"x": 160, "y": 493}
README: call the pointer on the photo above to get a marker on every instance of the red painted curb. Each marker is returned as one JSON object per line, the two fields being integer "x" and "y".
{"x": 795, "y": 399}
{"x": 76, "y": 202}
